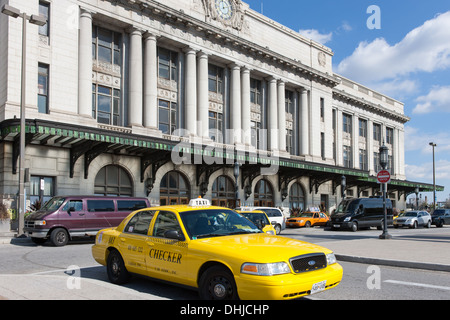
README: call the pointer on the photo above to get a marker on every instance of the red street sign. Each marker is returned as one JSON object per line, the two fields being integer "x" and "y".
{"x": 383, "y": 176}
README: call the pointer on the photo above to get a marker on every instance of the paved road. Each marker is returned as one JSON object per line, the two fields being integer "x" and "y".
{"x": 28, "y": 271}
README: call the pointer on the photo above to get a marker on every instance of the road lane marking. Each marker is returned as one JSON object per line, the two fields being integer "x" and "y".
{"x": 417, "y": 284}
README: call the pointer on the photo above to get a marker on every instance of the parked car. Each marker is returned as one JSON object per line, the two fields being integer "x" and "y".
{"x": 275, "y": 215}
{"x": 309, "y": 218}
{"x": 64, "y": 217}
{"x": 413, "y": 219}
{"x": 440, "y": 217}
{"x": 359, "y": 213}
{"x": 259, "y": 219}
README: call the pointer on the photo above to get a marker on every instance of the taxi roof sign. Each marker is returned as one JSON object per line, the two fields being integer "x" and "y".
{"x": 199, "y": 202}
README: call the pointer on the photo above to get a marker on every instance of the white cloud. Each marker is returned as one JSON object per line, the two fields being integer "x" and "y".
{"x": 416, "y": 140}
{"x": 438, "y": 99}
{"x": 397, "y": 87}
{"x": 424, "y": 172}
{"x": 316, "y": 35}
{"x": 425, "y": 48}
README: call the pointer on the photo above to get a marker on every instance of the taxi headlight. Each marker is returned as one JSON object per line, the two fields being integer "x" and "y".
{"x": 265, "y": 269}
{"x": 270, "y": 232}
{"x": 331, "y": 258}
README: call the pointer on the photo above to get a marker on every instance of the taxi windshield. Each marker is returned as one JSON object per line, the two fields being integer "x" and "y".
{"x": 205, "y": 223}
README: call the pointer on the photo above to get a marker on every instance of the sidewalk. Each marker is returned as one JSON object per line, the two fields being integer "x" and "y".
{"x": 427, "y": 251}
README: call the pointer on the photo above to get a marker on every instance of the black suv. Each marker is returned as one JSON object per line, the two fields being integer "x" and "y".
{"x": 440, "y": 217}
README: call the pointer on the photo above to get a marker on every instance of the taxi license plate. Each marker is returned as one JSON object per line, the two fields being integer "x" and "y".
{"x": 318, "y": 287}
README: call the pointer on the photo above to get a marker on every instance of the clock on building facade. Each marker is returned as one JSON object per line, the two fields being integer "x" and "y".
{"x": 229, "y": 12}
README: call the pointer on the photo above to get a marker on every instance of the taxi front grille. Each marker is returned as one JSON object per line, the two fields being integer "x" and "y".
{"x": 308, "y": 262}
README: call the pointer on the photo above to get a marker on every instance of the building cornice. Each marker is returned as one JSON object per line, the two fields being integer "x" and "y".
{"x": 346, "y": 97}
{"x": 222, "y": 36}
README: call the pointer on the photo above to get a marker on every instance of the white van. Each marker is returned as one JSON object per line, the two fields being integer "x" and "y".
{"x": 275, "y": 215}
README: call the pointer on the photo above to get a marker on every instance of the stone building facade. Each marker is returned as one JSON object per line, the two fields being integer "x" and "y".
{"x": 162, "y": 98}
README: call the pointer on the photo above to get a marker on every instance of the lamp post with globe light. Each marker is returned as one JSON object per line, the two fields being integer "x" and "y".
{"x": 384, "y": 159}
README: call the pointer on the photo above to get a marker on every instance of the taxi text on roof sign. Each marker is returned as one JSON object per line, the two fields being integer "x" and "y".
{"x": 215, "y": 250}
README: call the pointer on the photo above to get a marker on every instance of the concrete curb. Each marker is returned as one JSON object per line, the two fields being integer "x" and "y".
{"x": 394, "y": 263}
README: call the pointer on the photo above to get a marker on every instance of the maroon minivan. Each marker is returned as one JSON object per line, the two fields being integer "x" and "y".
{"x": 65, "y": 217}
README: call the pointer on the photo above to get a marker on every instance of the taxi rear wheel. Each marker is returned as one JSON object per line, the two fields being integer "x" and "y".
{"x": 217, "y": 283}
{"x": 117, "y": 273}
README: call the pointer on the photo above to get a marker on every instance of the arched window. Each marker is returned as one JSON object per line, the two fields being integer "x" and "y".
{"x": 223, "y": 192}
{"x": 263, "y": 194}
{"x": 174, "y": 189}
{"x": 297, "y": 197}
{"x": 113, "y": 180}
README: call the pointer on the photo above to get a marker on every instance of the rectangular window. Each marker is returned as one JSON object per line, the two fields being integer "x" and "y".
{"x": 322, "y": 109}
{"x": 167, "y": 64}
{"x": 255, "y": 128}
{"x": 255, "y": 91}
{"x": 289, "y": 101}
{"x": 167, "y": 116}
{"x": 44, "y": 11}
{"x": 362, "y": 159}
{"x": 389, "y": 136}
{"x": 377, "y": 132}
{"x": 215, "y": 79}
{"x": 289, "y": 141}
{"x": 347, "y": 123}
{"x": 216, "y": 126}
{"x": 376, "y": 162}
{"x": 106, "y": 46}
{"x": 362, "y": 128}
{"x": 43, "y": 75}
{"x": 347, "y": 156}
{"x": 322, "y": 145}
{"x": 100, "y": 205}
{"x": 106, "y": 104}
{"x": 130, "y": 205}
{"x": 41, "y": 189}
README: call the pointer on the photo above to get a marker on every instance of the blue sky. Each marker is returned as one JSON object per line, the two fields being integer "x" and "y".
{"x": 407, "y": 58}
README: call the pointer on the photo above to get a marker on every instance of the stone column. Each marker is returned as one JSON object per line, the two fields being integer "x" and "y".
{"x": 355, "y": 141}
{"x": 150, "y": 82}
{"x": 281, "y": 116}
{"x": 135, "y": 105}
{"x": 191, "y": 91}
{"x": 304, "y": 120}
{"x": 273, "y": 114}
{"x": 235, "y": 103}
{"x": 245, "y": 105}
{"x": 202, "y": 97}
{"x": 85, "y": 64}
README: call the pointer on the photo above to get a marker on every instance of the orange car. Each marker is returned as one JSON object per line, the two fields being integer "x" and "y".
{"x": 308, "y": 219}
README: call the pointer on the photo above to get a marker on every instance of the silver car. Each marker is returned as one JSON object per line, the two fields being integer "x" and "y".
{"x": 413, "y": 219}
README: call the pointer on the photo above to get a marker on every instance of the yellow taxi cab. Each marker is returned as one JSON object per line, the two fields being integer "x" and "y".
{"x": 259, "y": 219}
{"x": 215, "y": 250}
{"x": 310, "y": 218}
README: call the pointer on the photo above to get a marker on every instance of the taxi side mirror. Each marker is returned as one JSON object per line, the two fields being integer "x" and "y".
{"x": 173, "y": 234}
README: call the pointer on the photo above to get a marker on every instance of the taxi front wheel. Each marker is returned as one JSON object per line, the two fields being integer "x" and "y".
{"x": 117, "y": 273}
{"x": 217, "y": 283}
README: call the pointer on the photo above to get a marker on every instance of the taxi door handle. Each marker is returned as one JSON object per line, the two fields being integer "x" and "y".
{"x": 150, "y": 244}
{"x": 122, "y": 239}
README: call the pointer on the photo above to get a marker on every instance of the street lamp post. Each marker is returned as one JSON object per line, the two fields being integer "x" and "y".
{"x": 416, "y": 191}
{"x": 432, "y": 144}
{"x": 236, "y": 176}
{"x": 40, "y": 21}
{"x": 384, "y": 158}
